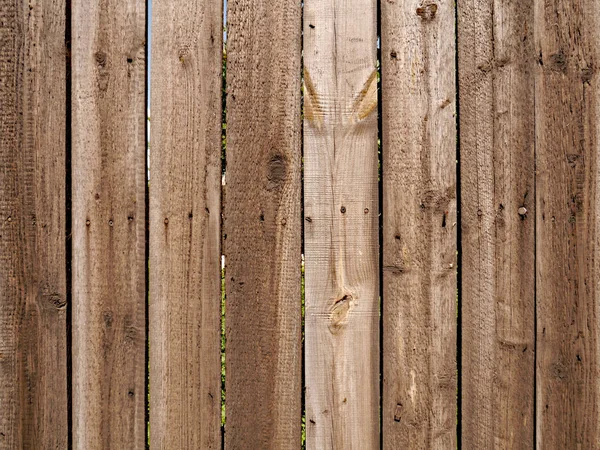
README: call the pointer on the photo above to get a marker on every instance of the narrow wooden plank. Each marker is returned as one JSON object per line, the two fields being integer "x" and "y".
{"x": 33, "y": 333}
{"x": 568, "y": 223}
{"x": 262, "y": 225}
{"x": 496, "y": 85}
{"x": 341, "y": 224}
{"x": 185, "y": 220}
{"x": 109, "y": 223}
{"x": 419, "y": 224}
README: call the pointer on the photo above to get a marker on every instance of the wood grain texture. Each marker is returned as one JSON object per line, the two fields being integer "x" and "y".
{"x": 341, "y": 225}
{"x": 568, "y": 224}
{"x": 419, "y": 224}
{"x": 185, "y": 219}
{"x": 33, "y": 300}
{"x": 262, "y": 227}
{"x": 109, "y": 223}
{"x": 496, "y": 85}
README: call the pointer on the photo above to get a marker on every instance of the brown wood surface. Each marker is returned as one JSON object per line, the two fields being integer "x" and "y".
{"x": 568, "y": 224}
{"x": 341, "y": 225}
{"x": 33, "y": 297}
{"x": 496, "y": 85}
{"x": 419, "y": 224}
{"x": 262, "y": 225}
{"x": 109, "y": 223}
{"x": 185, "y": 219}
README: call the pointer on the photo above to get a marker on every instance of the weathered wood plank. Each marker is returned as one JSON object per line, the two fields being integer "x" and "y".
{"x": 496, "y": 85}
{"x": 33, "y": 333}
{"x": 109, "y": 223}
{"x": 419, "y": 224}
{"x": 568, "y": 223}
{"x": 185, "y": 219}
{"x": 262, "y": 225}
{"x": 341, "y": 225}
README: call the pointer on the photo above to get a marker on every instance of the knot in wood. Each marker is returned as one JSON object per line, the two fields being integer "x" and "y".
{"x": 558, "y": 62}
{"x": 340, "y": 310}
{"x": 276, "y": 172}
{"x": 57, "y": 301}
{"x": 427, "y": 12}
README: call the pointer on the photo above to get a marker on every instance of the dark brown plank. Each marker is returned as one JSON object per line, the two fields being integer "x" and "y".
{"x": 496, "y": 85}
{"x": 262, "y": 225}
{"x": 419, "y": 224}
{"x": 185, "y": 220}
{"x": 33, "y": 333}
{"x": 341, "y": 227}
{"x": 568, "y": 223}
{"x": 108, "y": 197}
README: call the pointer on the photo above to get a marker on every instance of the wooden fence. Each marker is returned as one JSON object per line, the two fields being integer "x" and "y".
{"x": 111, "y": 283}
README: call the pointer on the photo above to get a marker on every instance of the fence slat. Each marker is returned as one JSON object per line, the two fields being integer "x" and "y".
{"x": 262, "y": 225}
{"x": 185, "y": 219}
{"x": 33, "y": 333}
{"x": 496, "y": 63}
{"x": 341, "y": 224}
{"x": 568, "y": 223}
{"x": 419, "y": 224}
{"x": 108, "y": 221}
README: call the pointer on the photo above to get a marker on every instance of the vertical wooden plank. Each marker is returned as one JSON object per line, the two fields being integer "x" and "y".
{"x": 341, "y": 224}
{"x": 568, "y": 223}
{"x": 419, "y": 224}
{"x": 33, "y": 333}
{"x": 185, "y": 219}
{"x": 496, "y": 86}
{"x": 262, "y": 225}
{"x": 109, "y": 223}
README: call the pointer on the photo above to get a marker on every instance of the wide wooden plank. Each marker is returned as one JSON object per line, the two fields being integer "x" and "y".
{"x": 109, "y": 223}
{"x": 568, "y": 223}
{"x": 419, "y": 224}
{"x": 496, "y": 85}
{"x": 262, "y": 225}
{"x": 185, "y": 219}
{"x": 341, "y": 224}
{"x": 33, "y": 297}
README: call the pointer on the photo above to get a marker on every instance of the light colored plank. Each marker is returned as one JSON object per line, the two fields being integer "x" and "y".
{"x": 341, "y": 225}
{"x": 568, "y": 223}
{"x": 185, "y": 219}
{"x": 33, "y": 297}
{"x": 496, "y": 85}
{"x": 262, "y": 210}
{"x": 108, "y": 196}
{"x": 419, "y": 224}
